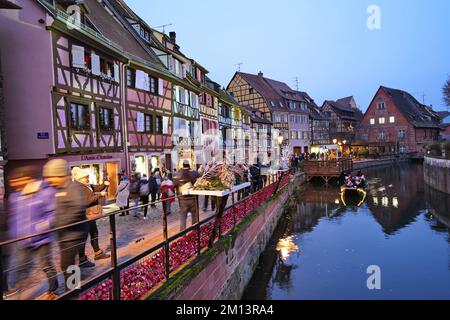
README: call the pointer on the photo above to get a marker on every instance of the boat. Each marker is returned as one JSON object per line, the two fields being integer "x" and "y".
{"x": 353, "y": 196}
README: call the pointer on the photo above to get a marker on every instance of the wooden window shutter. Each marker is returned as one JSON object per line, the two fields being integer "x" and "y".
{"x": 95, "y": 63}
{"x": 78, "y": 57}
{"x": 161, "y": 87}
{"x": 116, "y": 73}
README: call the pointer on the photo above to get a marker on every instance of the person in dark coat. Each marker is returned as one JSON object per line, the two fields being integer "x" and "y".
{"x": 93, "y": 195}
{"x": 153, "y": 188}
{"x": 185, "y": 179}
{"x": 144, "y": 191}
{"x": 71, "y": 208}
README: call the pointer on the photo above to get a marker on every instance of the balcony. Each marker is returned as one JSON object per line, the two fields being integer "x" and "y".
{"x": 185, "y": 111}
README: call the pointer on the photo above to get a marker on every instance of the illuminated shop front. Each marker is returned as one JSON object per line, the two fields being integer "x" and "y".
{"x": 101, "y": 168}
{"x": 146, "y": 163}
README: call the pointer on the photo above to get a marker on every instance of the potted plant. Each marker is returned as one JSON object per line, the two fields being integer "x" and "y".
{"x": 434, "y": 148}
{"x": 446, "y": 149}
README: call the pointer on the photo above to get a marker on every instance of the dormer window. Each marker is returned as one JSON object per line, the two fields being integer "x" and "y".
{"x": 250, "y": 91}
{"x": 281, "y": 104}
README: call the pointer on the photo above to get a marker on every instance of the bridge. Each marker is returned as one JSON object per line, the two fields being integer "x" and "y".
{"x": 327, "y": 169}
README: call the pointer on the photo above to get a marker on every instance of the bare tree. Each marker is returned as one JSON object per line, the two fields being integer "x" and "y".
{"x": 446, "y": 92}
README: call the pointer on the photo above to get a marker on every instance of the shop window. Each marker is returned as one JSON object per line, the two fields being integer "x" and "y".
{"x": 148, "y": 123}
{"x": 106, "y": 119}
{"x": 79, "y": 117}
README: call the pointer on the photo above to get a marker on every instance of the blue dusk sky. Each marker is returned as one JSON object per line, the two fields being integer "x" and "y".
{"x": 325, "y": 43}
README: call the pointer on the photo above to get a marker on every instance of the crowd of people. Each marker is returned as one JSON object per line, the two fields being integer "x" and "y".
{"x": 60, "y": 196}
{"x": 355, "y": 182}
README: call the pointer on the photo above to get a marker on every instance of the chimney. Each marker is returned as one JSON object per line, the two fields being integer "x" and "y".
{"x": 260, "y": 74}
{"x": 173, "y": 36}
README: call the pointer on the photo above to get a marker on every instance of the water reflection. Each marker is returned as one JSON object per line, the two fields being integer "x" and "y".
{"x": 321, "y": 249}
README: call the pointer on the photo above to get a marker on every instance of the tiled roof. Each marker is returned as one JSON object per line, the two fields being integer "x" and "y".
{"x": 114, "y": 31}
{"x": 264, "y": 89}
{"x": 418, "y": 114}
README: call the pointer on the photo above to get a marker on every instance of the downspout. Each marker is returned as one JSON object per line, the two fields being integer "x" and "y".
{"x": 123, "y": 89}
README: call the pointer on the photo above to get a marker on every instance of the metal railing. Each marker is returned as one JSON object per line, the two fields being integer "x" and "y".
{"x": 162, "y": 255}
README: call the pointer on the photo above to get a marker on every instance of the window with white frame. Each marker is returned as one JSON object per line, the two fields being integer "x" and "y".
{"x": 391, "y": 119}
{"x": 372, "y": 121}
{"x": 401, "y": 133}
{"x": 381, "y": 120}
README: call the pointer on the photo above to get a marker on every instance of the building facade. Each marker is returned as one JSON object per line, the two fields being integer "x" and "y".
{"x": 344, "y": 117}
{"x": 286, "y": 109}
{"x": 396, "y": 122}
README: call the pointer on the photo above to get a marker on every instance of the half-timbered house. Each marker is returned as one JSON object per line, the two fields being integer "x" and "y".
{"x": 287, "y": 109}
{"x": 71, "y": 105}
{"x": 344, "y": 116}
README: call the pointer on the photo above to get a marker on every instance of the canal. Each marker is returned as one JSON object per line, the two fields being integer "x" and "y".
{"x": 321, "y": 249}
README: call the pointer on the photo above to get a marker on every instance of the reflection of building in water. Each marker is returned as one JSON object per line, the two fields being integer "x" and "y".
{"x": 438, "y": 205}
{"x": 394, "y": 196}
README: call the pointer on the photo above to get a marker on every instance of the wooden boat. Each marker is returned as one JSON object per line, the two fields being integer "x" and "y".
{"x": 353, "y": 196}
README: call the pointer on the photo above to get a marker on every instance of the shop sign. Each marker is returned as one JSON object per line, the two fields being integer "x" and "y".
{"x": 97, "y": 157}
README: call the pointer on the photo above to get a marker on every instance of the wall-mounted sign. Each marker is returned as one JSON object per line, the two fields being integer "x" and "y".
{"x": 97, "y": 157}
{"x": 43, "y": 135}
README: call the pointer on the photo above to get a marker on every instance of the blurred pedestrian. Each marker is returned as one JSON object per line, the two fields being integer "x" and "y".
{"x": 123, "y": 196}
{"x": 71, "y": 208}
{"x": 159, "y": 180}
{"x": 134, "y": 193}
{"x": 167, "y": 194}
{"x": 32, "y": 209}
{"x": 185, "y": 180}
{"x": 144, "y": 191}
{"x": 93, "y": 195}
{"x": 153, "y": 188}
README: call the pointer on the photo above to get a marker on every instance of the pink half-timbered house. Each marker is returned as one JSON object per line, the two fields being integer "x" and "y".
{"x": 69, "y": 105}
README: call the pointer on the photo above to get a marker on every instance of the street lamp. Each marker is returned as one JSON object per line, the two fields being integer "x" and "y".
{"x": 280, "y": 142}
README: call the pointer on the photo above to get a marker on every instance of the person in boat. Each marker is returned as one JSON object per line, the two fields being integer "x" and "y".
{"x": 360, "y": 180}
{"x": 349, "y": 181}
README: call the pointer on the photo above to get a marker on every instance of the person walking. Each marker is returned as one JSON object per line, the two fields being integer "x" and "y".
{"x": 93, "y": 195}
{"x": 167, "y": 194}
{"x": 70, "y": 208}
{"x": 184, "y": 180}
{"x": 159, "y": 179}
{"x": 144, "y": 191}
{"x": 32, "y": 209}
{"x": 201, "y": 172}
{"x": 123, "y": 196}
{"x": 153, "y": 187}
{"x": 134, "y": 193}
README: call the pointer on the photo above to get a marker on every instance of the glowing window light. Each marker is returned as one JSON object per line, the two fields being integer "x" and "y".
{"x": 395, "y": 202}
{"x": 375, "y": 201}
{"x": 385, "y": 202}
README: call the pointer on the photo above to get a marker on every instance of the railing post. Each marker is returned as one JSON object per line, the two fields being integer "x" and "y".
{"x": 3, "y": 277}
{"x": 166, "y": 242}
{"x": 199, "y": 229}
{"x": 116, "y": 271}
{"x": 233, "y": 210}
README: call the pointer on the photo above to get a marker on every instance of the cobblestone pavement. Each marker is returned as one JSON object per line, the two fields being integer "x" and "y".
{"x": 134, "y": 236}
